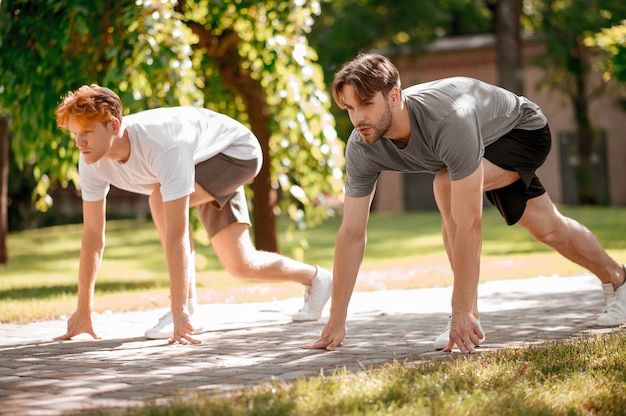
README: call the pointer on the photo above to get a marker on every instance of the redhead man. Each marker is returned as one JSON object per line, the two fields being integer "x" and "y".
{"x": 475, "y": 138}
{"x": 180, "y": 157}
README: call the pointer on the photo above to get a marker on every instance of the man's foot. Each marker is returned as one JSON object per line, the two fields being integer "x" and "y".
{"x": 614, "y": 313}
{"x": 164, "y": 329}
{"x": 442, "y": 340}
{"x": 315, "y": 297}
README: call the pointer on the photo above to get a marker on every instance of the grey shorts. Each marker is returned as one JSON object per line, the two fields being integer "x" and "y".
{"x": 522, "y": 151}
{"x": 223, "y": 178}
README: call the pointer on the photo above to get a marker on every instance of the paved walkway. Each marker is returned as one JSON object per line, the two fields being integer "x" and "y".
{"x": 255, "y": 342}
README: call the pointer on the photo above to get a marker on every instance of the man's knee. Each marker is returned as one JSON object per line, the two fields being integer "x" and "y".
{"x": 551, "y": 235}
{"x": 549, "y": 228}
{"x": 236, "y": 250}
{"x": 241, "y": 270}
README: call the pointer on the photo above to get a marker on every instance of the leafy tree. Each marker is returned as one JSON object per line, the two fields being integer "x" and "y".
{"x": 563, "y": 25}
{"x": 142, "y": 49}
{"x": 613, "y": 41}
{"x": 256, "y": 64}
{"x": 48, "y": 48}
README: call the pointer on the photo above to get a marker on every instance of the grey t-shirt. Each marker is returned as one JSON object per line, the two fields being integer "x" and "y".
{"x": 452, "y": 120}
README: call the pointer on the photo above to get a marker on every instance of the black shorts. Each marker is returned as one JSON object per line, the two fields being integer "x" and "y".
{"x": 223, "y": 178}
{"x": 521, "y": 151}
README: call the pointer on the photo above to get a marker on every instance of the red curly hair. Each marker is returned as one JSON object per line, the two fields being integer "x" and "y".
{"x": 89, "y": 103}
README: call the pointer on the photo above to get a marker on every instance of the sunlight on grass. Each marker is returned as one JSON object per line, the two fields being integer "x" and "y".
{"x": 40, "y": 280}
{"x": 581, "y": 376}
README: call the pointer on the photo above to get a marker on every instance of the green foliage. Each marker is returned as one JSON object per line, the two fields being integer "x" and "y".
{"x": 613, "y": 42}
{"x": 143, "y": 51}
{"x": 388, "y": 24}
{"x": 563, "y": 26}
{"x": 50, "y": 47}
{"x": 306, "y": 157}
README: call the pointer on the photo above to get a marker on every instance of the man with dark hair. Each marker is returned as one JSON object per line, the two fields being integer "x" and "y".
{"x": 181, "y": 157}
{"x": 475, "y": 138}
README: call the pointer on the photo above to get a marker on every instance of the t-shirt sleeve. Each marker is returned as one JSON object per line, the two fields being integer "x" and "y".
{"x": 92, "y": 186}
{"x": 460, "y": 144}
{"x": 361, "y": 175}
{"x": 174, "y": 169}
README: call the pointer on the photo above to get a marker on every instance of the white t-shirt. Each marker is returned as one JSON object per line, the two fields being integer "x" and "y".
{"x": 165, "y": 146}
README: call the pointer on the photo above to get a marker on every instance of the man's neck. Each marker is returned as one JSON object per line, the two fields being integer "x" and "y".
{"x": 121, "y": 148}
{"x": 400, "y": 131}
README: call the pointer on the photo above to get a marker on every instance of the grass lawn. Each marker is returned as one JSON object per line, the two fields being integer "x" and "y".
{"x": 40, "y": 280}
{"x": 581, "y": 377}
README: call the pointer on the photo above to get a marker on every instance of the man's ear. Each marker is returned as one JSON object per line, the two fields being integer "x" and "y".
{"x": 395, "y": 95}
{"x": 115, "y": 125}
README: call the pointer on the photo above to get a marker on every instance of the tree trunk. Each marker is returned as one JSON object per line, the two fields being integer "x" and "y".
{"x": 5, "y": 141}
{"x": 224, "y": 51}
{"x": 509, "y": 45}
{"x": 586, "y": 193}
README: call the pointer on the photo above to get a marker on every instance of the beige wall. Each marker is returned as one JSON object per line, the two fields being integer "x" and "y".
{"x": 475, "y": 57}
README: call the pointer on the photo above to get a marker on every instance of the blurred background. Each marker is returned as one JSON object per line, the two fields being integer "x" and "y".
{"x": 270, "y": 65}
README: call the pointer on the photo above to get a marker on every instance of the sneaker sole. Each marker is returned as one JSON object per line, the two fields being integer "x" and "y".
{"x": 197, "y": 331}
{"x": 305, "y": 319}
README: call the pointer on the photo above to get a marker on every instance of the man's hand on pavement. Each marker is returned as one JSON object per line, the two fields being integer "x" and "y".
{"x": 79, "y": 323}
{"x": 465, "y": 332}
{"x": 331, "y": 338}
{"x": 183, "y": 329}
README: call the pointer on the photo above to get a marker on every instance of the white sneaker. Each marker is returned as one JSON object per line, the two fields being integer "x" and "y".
{"x": 164, "y": 329}
{"x": 614, "y": 313}
{"x": 315, "y": 297}
{"x": 442, "y": 340}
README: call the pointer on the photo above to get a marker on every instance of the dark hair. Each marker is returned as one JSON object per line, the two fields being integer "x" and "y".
{"x": 368, "y": 73}
{"x": 89, "y": 103}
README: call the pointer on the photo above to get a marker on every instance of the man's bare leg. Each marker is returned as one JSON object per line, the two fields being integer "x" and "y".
{"x": 571, "y": 239}
{"x": 568, "y": 237}
{"x": 242, "y": 260}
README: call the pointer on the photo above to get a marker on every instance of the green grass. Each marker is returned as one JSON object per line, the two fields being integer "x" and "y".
{"x": 40, "y": 280}
{"x": 580, "y": 377}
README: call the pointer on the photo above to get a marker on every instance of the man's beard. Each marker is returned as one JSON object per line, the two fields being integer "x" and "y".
{"x": 378, "y": 129}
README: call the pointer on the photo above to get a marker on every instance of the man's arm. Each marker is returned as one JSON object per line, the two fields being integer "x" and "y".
{"x": 177, "y": 249}
{"x": 466, "y": 199}
{"x": 349, "y": 250}
{"x": 92, "y": 248}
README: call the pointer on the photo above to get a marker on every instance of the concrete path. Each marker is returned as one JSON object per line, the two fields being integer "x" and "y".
{"x": 255, "y": 342}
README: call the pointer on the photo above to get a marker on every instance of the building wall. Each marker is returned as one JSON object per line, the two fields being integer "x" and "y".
{"x": 475, "y": 57}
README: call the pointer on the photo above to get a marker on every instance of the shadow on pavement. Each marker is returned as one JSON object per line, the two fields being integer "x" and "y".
{"x": 127, "y": 371}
